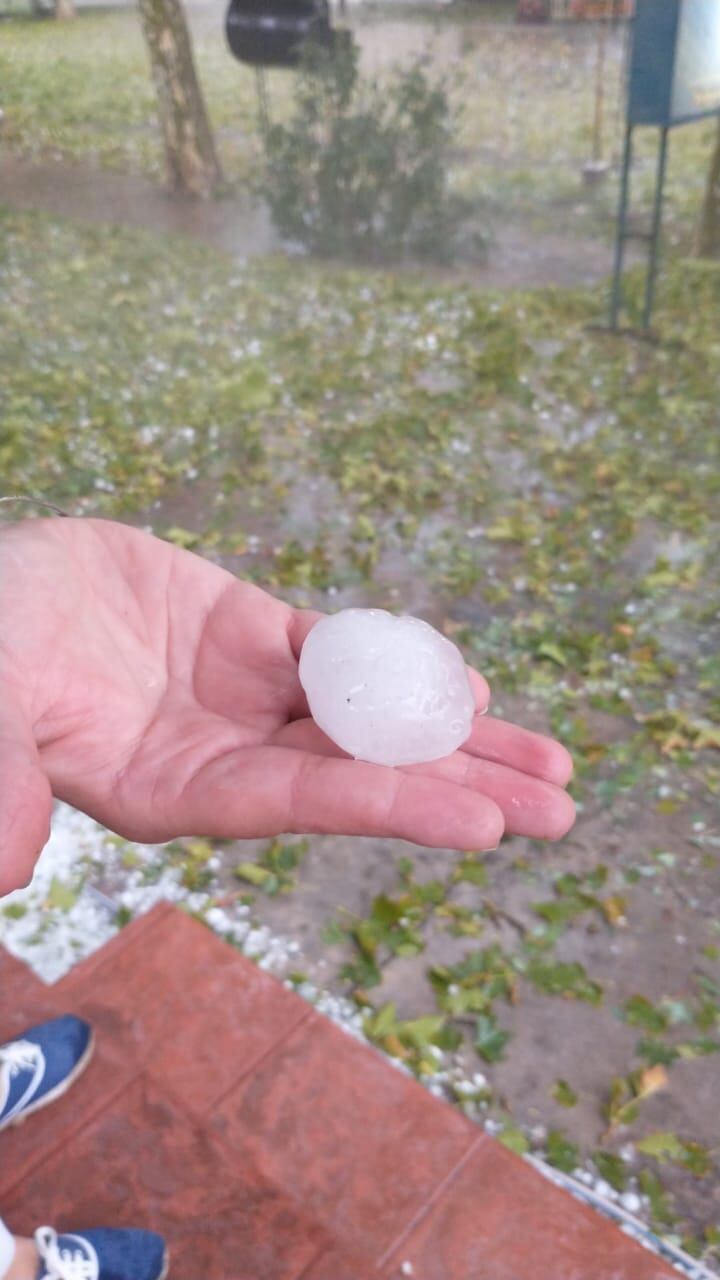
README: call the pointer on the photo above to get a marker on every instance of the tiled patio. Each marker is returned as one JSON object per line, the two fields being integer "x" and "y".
{"x": 265, "y": 1143}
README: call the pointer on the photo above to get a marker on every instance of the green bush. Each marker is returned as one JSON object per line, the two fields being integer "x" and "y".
{"x": 361, "y": 169}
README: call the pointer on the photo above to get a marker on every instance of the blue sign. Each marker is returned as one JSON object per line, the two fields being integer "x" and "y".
{"x": 675, "y": 63}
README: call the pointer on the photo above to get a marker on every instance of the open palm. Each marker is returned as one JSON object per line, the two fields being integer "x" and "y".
{"x": 159, "y": 694}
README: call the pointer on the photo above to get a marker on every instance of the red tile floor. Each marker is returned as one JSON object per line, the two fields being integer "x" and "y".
{"x": 265, "y": 1143}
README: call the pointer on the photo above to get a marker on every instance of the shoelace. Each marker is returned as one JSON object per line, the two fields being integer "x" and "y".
{"x": 19, "y": 1055}
{"x": 65, "y": 1263}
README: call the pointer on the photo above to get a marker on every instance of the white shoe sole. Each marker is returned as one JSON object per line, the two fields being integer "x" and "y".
{"x": 166, "y": 1266}
{"x": 55, "y": 1093}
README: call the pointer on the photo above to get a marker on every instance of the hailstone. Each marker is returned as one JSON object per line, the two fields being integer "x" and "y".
{"x": 387, "y": 689}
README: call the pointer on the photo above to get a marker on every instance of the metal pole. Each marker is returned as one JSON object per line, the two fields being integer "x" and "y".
{"x": 656, "y": 228}
{"x": 616, "y": 299}
{"x": 599, "y": 91}
{"x": 262, "y": 98}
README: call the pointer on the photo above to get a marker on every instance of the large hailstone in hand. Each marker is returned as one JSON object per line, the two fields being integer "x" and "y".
{"x": 386, "y": 689}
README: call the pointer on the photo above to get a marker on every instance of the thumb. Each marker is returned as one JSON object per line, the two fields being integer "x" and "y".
{"x": 25, "y": 797}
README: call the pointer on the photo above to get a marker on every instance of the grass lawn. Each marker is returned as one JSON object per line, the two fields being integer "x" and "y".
{"x": 546, "y": 494}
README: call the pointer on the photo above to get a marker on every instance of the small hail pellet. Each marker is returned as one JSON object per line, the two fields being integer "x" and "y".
{"x": 390, "y": 690}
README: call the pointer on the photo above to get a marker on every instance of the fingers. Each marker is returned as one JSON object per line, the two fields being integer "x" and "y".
{"x": 266, "y": 791}
{"x": 480, "y": 688}
{"x": 531, "y": 806}
{"x": 302, "y": 622}
{"x": 305, "y": 735}
{"x": 25, "y": 798}
{"x": 518, "y": 748}
{"x": 492, "y": 740}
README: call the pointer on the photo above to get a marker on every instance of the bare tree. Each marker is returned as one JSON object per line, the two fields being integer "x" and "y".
{"x": 708, "y": 241}
{"x": 192, "y": 162}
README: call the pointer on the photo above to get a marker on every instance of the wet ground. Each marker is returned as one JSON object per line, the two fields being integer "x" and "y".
{"x": 518, "y": 257}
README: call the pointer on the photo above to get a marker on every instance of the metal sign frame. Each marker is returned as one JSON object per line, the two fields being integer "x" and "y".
{"x": 657, "y": 31}
{"x": 651, "y": 238}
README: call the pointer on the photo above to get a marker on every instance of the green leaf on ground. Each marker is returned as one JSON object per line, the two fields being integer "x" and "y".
{"x": 380, "y": 1024}
{"x": 698, "y": 1048}
{"x": 667, "y": 1146}
{"x": 61, "y": 895}
{"x": 332, "y": 933}
{"x": 656, "y": 1051}
{"x": 514, "y": 1139}
{"x": 490, "y": 1039}
{"x": 570, "y": 980}
{"x": 662, "y": 1146}
{"x": 253, "y": 873}
{"x": 638, "y": 1011}
{"x": 564, "y": 1094}
{"x": 612, "y": 1168}
{"x": 651, "y": 1186}
{"x": 14, "y": 910}
{"x": 626, "y": 1093}
{"x": 472, "y": 872}
{"x": 561, "y": 1153}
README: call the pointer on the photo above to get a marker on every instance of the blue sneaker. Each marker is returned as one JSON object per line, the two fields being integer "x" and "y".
{"x": 101, "y": 1255}
{"x": 41, "y": 1066}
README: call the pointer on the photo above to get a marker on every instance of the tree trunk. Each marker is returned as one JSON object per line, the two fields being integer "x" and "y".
{"x": 193, "y": 166}
{"x": 708, "y": 241}
{"x": 64, "y": 9}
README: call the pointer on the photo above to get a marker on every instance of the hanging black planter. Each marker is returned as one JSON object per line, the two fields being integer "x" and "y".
{"x": 271, "y": 33}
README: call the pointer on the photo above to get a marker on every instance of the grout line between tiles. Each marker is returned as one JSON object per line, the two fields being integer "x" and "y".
{"x": 432, "y": 1200}
{"x": 49, "y": 1152}
{"x": 306, "y": 1271}
{"x": 290, "y": 1031}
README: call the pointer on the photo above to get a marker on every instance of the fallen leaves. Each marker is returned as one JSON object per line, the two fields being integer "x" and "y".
{"x": 628, "y": 1092}
{"x": 564, "y": 1094}
{"x": 411, "y": 1040}
{"x": 665, "y": 1146}
{"x": 274, "y": 872}
{"x": 676, "y": 732}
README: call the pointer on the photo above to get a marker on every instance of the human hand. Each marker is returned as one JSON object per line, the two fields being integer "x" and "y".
{"x": 159, "y": 694}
